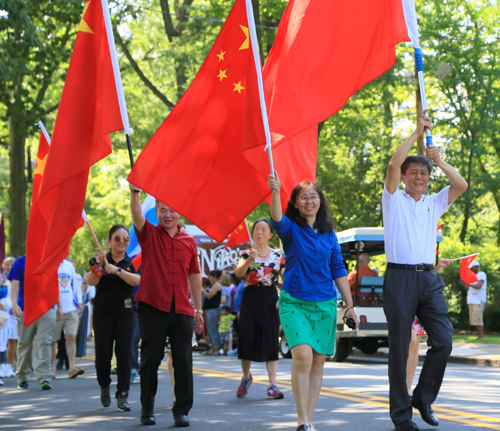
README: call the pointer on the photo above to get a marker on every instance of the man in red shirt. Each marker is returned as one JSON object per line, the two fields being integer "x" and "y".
{"x": 169, "y": 269}
{"x": 364, "y": 270}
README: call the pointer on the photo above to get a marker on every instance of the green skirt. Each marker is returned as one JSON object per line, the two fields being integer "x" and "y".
{"x": 309, "y": 322}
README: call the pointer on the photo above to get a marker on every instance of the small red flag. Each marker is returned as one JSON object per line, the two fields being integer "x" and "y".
{"x": 239, "y": 236}
{"x": 194, "y": 161}
{"x": 137, "y": 261}
{"x": 439, "y": 227}
{"x": 465, "y": 273}
{"x": 88, "y": 112}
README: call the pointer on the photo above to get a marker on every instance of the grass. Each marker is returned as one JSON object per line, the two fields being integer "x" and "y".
{"x": 472, "y": 338}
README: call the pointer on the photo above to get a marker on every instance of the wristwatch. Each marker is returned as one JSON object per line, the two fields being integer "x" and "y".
{"x": 198, "y": 311}
{"x": 119, "y": 270}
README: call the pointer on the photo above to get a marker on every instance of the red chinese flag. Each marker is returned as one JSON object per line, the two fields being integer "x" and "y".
{"x": 326, "y": 50}
{"x": 194, "y": 161}
{"x": 42, "y": 290}
{"x": 88, "y": 112}
{"x": 239, "y": 236}
{"x": 465, "y": 273}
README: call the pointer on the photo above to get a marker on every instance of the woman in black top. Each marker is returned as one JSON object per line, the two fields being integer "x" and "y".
{"x": 114, "y": 315}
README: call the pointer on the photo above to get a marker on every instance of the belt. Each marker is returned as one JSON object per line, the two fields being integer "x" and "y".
{"x": 418, "y": 267}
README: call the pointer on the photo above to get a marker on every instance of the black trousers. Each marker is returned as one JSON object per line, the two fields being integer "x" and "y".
{"x": 118, "y": 329}
{"x": 155, "y": 326}
{"x": 408, "y": 294}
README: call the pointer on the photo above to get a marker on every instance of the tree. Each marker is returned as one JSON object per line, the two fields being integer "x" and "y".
{"x": 35, "y": 46}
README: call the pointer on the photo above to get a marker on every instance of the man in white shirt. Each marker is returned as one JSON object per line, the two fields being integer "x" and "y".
{"x": 411, "y": 285}
{"x": 70, "y": 300}
{"x": 476, "y": 298}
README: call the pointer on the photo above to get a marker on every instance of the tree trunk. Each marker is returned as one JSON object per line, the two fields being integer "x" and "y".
{"x": 17, "y": 189}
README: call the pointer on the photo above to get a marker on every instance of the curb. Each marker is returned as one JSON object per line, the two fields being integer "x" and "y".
{"x": 451, "y": 360}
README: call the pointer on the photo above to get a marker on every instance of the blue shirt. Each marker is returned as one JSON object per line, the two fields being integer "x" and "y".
{"x": 238, "y": 295}
{"x": 313, "y": 261}
{"x": 17, "y": 273}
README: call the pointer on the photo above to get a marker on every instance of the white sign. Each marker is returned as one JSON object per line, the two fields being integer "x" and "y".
{"x": 217, "y": 258}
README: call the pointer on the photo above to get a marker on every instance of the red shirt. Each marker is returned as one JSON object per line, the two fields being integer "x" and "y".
{"x": 364, "y": 270}
{"x": 166, "y": 263}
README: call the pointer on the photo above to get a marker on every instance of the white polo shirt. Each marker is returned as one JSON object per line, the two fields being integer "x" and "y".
{"x": 477, "y": 296}
{"x": 410, "y": 228}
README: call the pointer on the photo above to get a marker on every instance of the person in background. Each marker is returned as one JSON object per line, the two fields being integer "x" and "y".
{"x": 259, "y": 321}
{"x": 417, "y": 331}
{"x": 70, "y": 297}
{"x": 211, "y": 306}
{"x": 35, "y": 341}
{"x": 364, "y": 271}
{"x": 5, "y": 307}
{"x": 225, "y": 282}
{"x": 308, "y": 303}
{"x": 114, "y": 314}
{"x": 11, "y": 326}
{"x": 476, "y": 298}
{"x": 226, "y": 318}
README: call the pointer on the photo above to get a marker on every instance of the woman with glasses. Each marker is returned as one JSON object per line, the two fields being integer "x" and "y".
{"x": 115, "y": 279}
{"x": 308, "y": 302}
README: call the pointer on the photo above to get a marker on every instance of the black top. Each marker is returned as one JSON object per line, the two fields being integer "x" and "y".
{"x": 213, "y": 302}
{"x": 114, "y": 296}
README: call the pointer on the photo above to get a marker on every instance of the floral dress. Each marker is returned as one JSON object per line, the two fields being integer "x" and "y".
{"x": 259, "y": 320}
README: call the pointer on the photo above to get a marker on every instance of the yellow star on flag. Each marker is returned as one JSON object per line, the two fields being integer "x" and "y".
{"x": 238, "y": 87}
{"x": 40, "y": 165}
{"x": 83, "y": 25}
{"x": 246, "y": 43}
{"x": 222, "y": 74}
{"x": 221, "y": 55}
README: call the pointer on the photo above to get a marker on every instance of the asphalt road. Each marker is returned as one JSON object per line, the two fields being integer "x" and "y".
{"x": 354, "y": 397}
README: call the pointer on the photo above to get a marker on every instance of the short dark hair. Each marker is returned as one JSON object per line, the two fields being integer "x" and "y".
{"x": 418, "y": 160}
{"x": 324, "y": 221}
{"x": 216, "y": 273}
{"x": 226, "y": 308}
{"x": 115, "y": 228}
{"x": 265, "y": 220}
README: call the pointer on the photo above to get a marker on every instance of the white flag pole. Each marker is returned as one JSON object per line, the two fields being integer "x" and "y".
{"x": 118, "y": 78}
{"x": 258, "y": 68}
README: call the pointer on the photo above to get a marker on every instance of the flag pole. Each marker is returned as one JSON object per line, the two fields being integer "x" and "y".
{"x": 118, "y": 78}
{"x": 249, "y": 234}
{"x": 411, "y": 21}
{"x": 87, "y": 222}
{"x": 258, "y": 68}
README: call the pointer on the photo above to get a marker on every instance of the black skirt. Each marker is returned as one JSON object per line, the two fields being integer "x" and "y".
{"x": 259, "y": 324}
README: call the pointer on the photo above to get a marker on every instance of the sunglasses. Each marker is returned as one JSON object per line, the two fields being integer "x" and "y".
{"x": 121, "y": 238}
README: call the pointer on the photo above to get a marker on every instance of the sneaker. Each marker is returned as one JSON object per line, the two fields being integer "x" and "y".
{"x": 23, "y": 385}
{"x": 244, "y": 386}
{"x": 233, "y": 352}
{"x": 311, "y": 428}
{"x": 10, "y": 372}
{"x": 122, "y": 401}
{"x": 3, "y": 371}
{"x": 45, "y": 385}
{"x": 75, "y": 372}
{"x": 133, "y": 373}
{"x": 274, "y": 393}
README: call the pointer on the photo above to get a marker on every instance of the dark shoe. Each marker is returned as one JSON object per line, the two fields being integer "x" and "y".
{"x": 407, "y": 425}
{"x": 181, "y": 421}
{"x": 426, "y": 412}
{"x": 105, "y": 398}
{"x": 303, "y": 427}
{"x": 60, "y": 364}
{"x": 122, "y": 401}
{"x": 148, "y": 420}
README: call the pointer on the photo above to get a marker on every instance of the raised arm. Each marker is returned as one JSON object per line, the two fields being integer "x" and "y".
{"x": 393, "y": 176}
{"x": 135, "y": 207}
{"x": 458, "y": 184}
{"x": 274, "y": 183}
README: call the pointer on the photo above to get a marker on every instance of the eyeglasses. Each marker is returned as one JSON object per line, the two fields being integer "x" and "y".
{"x": 305, "y": 198}
{"x": 121, "y": 238}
